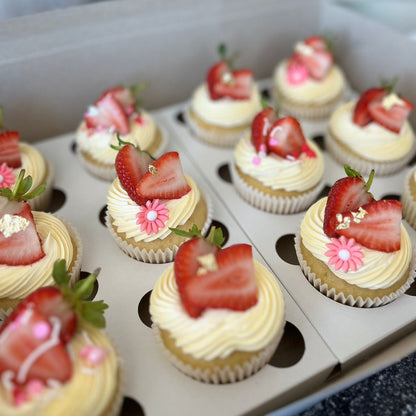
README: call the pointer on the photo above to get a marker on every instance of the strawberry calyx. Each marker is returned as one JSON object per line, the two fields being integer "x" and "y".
{"x": 21, "y": 190}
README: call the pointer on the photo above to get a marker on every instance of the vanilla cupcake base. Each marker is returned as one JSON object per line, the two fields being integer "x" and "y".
{"x": 215, "y": 135}
{"x": 269, "y": 200}
{"x": 345, "y": 156}
{"x": 163, "y": 251}
{"x": 322, "y": 279}
{"x": 408, "y": 198}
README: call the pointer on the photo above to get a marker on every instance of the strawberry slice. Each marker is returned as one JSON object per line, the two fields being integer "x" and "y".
{"x": 214, "y": 76}
{"x": 9, "y": 149}
{"x": 361, "y": 115}
{"x": 131, "y": 165}
{"x": 232, "y": 286}
{"x": 30, "y": 347}
{"x": 316, "y": 42}
{"x": 186, "y": 267}
{"x": 23, "y": 247}
{"x": 260, "y": 128}
{"x": 237, "y": 87}
{"x": 393, "y": 118}
{"x": 347, "y": 194}
{"x": 380, "y": 227}
{"x": 108, "y": 113}
{"x": 124, "y": 96}
{"x": 318, "y": 63}
{"x": 286, "y": 138}
{"x": 164, "y": 179}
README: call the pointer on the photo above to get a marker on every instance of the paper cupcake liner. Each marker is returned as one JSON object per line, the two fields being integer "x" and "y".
{"x": 409, "y": 204}
{"x": 42, "y": 201}
{"x": 365, "y": 166}
{"x": 152, "y": 256}
{"x": 275, "y": 205}
{"x": 351, "y": 300}
{"x": 213, "y": 138}
{"x": 225, "y": 374}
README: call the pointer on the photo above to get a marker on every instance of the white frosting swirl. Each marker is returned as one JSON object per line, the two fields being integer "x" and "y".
{"x": 379, "y": 271}
{"x": 225, "y": 112}
{"x": 373, "y": 141}
{"x": 276, "y": 172}
{"x": 16, "y": 282}
{"x": 97, "y": 143}
{"x": 34, "y": 164}
{"x": 219, "y": 332}
{"x": 311, "y": 91}
{"x": 124, "y": 211}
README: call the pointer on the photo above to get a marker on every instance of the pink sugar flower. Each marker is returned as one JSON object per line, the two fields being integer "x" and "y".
{"x": 6, "y": 176}
{"x": 152, "y": 217}
{"x": 344, "y": 254}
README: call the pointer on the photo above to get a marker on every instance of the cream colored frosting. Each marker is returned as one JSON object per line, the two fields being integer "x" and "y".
{"x": 311, "y": 91}
{"x": 276, "y": 172}
{"x": 97, "y": 143}
{"x": 87, "y": 393}
{"x": 380, "y": 270}
{"x": 225, "y": 112}
{"x": 219, "y": 332}
{"x": 34, "y": 164}
{"x": 373, "y": 141}
{"x": 16, "y": 282}
{"x": 124, "y": 211}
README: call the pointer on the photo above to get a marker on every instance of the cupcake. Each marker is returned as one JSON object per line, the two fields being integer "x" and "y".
{"x": 217, "y": 314}
{"x": 116, "y": 111}
{"x": 308, "y": 84}
{"x": 355, "y": 249}
{"x": 408, "y": 198}
{"x": 15, "y": 156}
{"x": 30, "y": 242}
{"x": 223, "y": 107}
{"x": 55, "y": 358}
{"x": 372, "y": 132}
{"x": 275, "y": 168}
{"x": 147, "y": 199}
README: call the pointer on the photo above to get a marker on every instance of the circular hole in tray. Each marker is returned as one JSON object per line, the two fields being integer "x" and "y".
{"x": 391, "y": 196}
{"x": 266, "y": 93}
{"x": 84, "y": 275}
{"x": 180, "y": 117}
{"x": 218, "y": 224}
{"x": 74, "y": 147}
{"x": 412, "y": 161}
{"x": 143, "y": 309}
{"x": 412, "y": 289}
{"x": 131, "y": 407}
{"x": 224, "y": 172}
{"x": 285, "y": 248}
{"x": 58, "y": 200}
{"x": 319, "y": 140}
{"x": 324, "y": 192}
{"x": 290, "y": 349}
{"x": 102, "y": 214}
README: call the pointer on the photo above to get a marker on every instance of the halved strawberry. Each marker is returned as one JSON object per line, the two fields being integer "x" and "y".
{"x": 285, "y": 137}
{"x": 30, "y": 347}
{"x": 361, "y": 115}
{"x": 131, "y": 164}
{"x": 316, "y": 42}
{"x": 164, "y": 179}
{"x": 214, "y": 76}
{"x": 393, "y": 118}
{"x": 9, "y": 149}
{"x": 232, "y": 286}
{"x": 318, "y": 63}
{"x": 124, "y": 96}
{"x": 186, "y": 267}
{"x": 108, "y": 113}
{"x": 237, "y": 87}
{"x": 347, "y": 194}
{"x": 379, "y": 228}
{"x": 260, "y": 128}
{"x": 23, "y": 247}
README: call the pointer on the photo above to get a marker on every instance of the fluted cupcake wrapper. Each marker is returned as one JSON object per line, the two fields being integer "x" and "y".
{"x": 365, "y": 166}
{"x": 409, "y": 204}
{"x": 214, "y": 138}
{"x": 152, "y": 256}
{"x": 42, "y": 201}
{"x": 227, "y": 373}
{"x": 351, "y": 300}
{"x": 268, "y": 203}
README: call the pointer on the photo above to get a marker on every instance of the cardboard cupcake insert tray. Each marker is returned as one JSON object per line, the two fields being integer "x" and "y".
{"x": 320, "y": 335}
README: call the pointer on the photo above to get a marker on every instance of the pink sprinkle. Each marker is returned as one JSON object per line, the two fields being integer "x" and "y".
{"x": 35, "y": 387}
{"x": 94, "y": 355}
{"x": 41, "y": 330}
{"x": 256, "y": 160}
{"x": 273, "y": 142}
{"x": 263, "y": 148}
{"x": 140, "y": 120}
